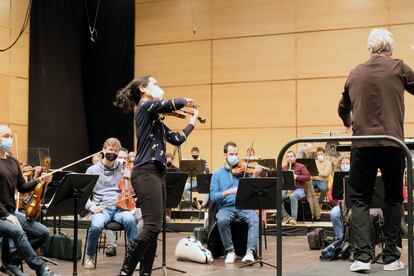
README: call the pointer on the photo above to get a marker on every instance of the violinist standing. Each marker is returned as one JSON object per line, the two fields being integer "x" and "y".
{"x": 148, "y": 175}
{"x": 104, "y": 197}
{"x": 27, "y": 235}
{"x": 223, "y": 189}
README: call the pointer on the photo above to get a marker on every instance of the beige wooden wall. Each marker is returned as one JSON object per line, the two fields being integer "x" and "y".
{"x": 14, "y": 70}
{"x": 263, "y": 70}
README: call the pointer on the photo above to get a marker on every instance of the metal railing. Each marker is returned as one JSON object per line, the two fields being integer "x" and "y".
{"x": 340, "y": 139}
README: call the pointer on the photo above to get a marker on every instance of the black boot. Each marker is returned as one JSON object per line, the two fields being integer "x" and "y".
{"x": 145, "y": 266}
{"x": 135, "y": 252}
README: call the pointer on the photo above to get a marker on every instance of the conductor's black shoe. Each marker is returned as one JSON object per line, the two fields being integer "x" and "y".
{"x": 12, "y": 270}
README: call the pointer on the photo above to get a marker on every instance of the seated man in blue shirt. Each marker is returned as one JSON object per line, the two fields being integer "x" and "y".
{"x": 223, "y": 189}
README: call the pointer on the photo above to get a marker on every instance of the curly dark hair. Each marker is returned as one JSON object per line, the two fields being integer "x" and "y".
{"x": 126, "y": 98}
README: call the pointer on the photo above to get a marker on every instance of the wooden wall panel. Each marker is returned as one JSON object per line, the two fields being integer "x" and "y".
{"x": 333, "y": 53}
{"x": 252, "y": 17}
{"x": 202, "y": 94}
{"x": 409, "y": 108}
{"x": 267, "y": 142}
{"x": 166, "y": 21}
{"x": 4, "y": 96}
{"x": 19, "y": 101}
{"x": 4, "y": 14}
{"x": 250, "y": 105}
{"x": 326, "y": 14}
{"x": 19, "y": 56}
{"x": 318, "y": 101}
{"x": 18, "y": 13}
{"x": 13, "y": 72}
{"x": 4, "y": 56}
{"x": 176, "y": 64}
{"x": 403, "y": 37}
{"x": 22, "y": 141}
{"x": 253, "y": 59}
{"x": 401, "y": 11}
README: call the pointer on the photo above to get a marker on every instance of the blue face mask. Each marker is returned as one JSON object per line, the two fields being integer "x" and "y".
{"x": 6, "y": 144}
{"x": 345, "y": 167}
{"x": 232, "y": 160}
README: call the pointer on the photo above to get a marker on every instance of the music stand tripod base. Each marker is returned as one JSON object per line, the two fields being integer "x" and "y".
{"x": 257, "y": 194}
{"x": 174, "y": 183}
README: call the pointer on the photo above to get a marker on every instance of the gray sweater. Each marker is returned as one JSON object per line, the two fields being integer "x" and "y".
{"x": 106, "y": 190}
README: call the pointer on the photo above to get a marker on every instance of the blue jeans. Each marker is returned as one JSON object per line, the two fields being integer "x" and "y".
{"x": 336, "y": 220}
{"x": 322, "y": 187}
{"x": 226, "y": 215}
{"x": 99, "y": 220}
{"x": 27, "y": 237}
{"x": 295, "y": 196}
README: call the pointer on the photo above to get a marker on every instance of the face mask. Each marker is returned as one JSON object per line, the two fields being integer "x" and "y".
{"x": 345, "y": 167}
{"x": 110, "y": 156}
{"x": 321, "y": 158}
{"x": 194, "y": 156}
{"x": 156, "y": 92}
{"x": 232, "y": 160}
{"x": 6, "y": 144}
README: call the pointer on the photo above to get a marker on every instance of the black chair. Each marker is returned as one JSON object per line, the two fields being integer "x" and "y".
{"x": 112, "y": 226}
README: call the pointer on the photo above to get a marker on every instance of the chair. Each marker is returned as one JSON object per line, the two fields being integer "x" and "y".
{"x": 112, "y": 226}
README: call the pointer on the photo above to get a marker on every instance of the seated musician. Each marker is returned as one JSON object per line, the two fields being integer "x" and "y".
{"x": 223, "y": 189}
{"x": 27, "y": 235}
{"x": 104, "y": 197}
{"x": 320, "y": 181}
{"x": 195, "y": 153}
{"x": 301, "y": 176}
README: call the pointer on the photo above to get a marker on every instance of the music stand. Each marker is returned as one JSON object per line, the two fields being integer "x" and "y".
{"x": 203, "y": 183}
{"x": 193, "y": 168}
{"x": 70, "y": 198}
{"x": 269, "y": 163}
{"x": 338, "y": 185}
{"x": 288, "y": 180}
{"x": 253, "y": 194}
{"x": 310, "y": 164}
{"x": 174, "y": 183}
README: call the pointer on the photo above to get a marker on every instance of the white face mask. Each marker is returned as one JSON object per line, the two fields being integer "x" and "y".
{"x": 156, "y": 92}
{"x": 321, "y": 158}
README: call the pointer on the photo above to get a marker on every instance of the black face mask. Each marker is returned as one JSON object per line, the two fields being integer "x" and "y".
{"x": 194, "y": 156}
{"x": 169, "y": 164}
{"x": 110, "y": 156}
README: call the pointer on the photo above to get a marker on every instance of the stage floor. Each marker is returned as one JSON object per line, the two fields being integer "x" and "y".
{"x": 297, "y": 260}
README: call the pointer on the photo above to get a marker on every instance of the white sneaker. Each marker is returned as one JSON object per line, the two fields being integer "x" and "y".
{"x": 396, "y": 265}
{"x": 358, "y": 266}
{"x": 231, "y": 256}
{"x": 89, "y": 262}
{"x": 248, "y": 258}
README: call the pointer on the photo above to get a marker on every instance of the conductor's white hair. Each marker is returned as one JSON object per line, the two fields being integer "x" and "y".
{"x": 4, "y": 128}
{"x": 380, "y": 40}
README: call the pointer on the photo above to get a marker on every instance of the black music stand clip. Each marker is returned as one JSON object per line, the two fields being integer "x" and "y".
{"x": 70, "y": 198}
{"x": 175, "y": 186}
{"x": 257, "y": 194}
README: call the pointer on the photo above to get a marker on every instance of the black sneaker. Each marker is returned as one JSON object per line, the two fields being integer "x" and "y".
{"x": 48, "y": 272}
{"x": 13, "y": 270}
{"x": 110, "y": 251}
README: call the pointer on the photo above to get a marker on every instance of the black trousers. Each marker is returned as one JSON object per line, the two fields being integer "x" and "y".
{"x": 365, "y": 163}
{"x": 149, "y": 185}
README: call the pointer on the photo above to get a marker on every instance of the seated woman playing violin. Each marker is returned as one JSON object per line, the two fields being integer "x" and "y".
{"x": 105, "y": 199}
{"x": 223, "y": 189}
{"x": 27, "y": 235}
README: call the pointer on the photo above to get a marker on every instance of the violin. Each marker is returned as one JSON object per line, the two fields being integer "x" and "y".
{"x": 243, "y": 167}
{"x": 125, "y": 199}
{"x": 182, "y": 114}
{"x": 33, "y": 205}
